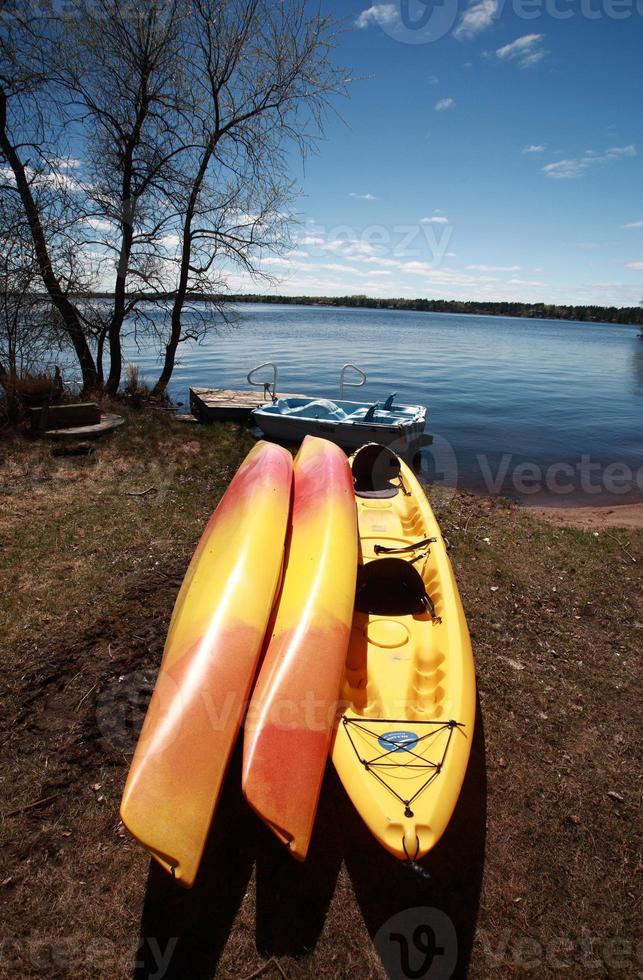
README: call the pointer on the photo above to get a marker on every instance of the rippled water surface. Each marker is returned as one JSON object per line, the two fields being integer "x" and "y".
{"x": 500, "y": 392}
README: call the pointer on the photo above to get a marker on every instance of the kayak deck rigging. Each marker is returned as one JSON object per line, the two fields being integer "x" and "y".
{"x": 378, "y": 761}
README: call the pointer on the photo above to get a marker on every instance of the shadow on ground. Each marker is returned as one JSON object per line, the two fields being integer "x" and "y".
{"x": 194, "y": 925}
{"x": 292, "y": 899}
{"x": 191, "y": 928}
{"x": 387, "y": 890}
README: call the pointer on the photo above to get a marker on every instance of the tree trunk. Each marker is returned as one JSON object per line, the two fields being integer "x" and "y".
{"x": 170, "y": 351}
{"x": 184, "y": 272}
{"x": 70, "y": 318}
{"x": 99, "y": 356}
{"x": 116, "y": 324}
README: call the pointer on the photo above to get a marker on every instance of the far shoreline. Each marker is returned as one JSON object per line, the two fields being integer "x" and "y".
{"x": 564, "y": 312}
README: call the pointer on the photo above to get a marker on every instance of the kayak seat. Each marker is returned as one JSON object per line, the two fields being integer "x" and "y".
{"x": 390, "y": 587}
{"x": 374, "y": 467}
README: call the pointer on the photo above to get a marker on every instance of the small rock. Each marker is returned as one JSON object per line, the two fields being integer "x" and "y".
{"x": 502, "y": 763}
{"x": 613, "y": 795}
{"x": 96, "y": 787}
{"x": 494, "y": 588}
{"x": 574, "y": 818}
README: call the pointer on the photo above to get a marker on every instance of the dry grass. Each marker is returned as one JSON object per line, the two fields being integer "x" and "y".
{"x": 542, "y": 849}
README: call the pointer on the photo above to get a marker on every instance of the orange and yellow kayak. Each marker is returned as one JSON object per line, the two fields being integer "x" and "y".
{"x": 210, "y": 660}
{"x": 292, "y": 712}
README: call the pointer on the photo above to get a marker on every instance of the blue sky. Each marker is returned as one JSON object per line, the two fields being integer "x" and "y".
{"x": 494, "y": 153}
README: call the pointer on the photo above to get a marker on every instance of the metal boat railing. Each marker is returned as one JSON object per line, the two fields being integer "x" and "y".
{"x": 269, "y": 387}
{"x": 350, "y": 384}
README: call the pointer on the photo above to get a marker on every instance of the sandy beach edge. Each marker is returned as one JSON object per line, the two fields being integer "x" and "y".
{"x": 628, "y": 516}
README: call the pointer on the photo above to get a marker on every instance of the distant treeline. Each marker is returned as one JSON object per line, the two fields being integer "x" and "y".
{"x": 540, "y": 311}
{"x": 534, "y": 311}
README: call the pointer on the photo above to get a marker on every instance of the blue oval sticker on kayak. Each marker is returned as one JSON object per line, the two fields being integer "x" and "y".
{"x": 398, "y": 741}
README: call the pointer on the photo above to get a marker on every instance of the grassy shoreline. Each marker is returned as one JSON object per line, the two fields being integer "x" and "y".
{"x": 547, "y": 822}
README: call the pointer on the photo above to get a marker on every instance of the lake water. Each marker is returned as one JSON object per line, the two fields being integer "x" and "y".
{"x": 548, "y": 411}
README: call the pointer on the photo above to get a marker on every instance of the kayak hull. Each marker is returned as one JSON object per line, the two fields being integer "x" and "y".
{"x": 402, "y": 744}
{"x": 293, "y": 708}
{"x": 209, "y": 663}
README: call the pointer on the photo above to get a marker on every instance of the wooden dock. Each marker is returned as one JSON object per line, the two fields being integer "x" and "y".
{"x": 227, "y": 405}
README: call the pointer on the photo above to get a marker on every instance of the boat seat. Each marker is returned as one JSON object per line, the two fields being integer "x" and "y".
{"x": 318, "y": 408}
{"x": 391, "y": 587}
{"x": 374, "y": 467}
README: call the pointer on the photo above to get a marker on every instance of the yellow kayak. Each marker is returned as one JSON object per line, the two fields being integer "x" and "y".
{"x": 402, "y": 744}
{"x": 294, "y": 704}
{"x": 210, "y": 660}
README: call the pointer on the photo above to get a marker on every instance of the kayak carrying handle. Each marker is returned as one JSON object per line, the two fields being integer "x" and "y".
{"x": 379, "y": 549}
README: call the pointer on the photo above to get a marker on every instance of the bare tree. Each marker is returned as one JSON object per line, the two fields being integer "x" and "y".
{"x": 120, "y": 64}
{"x": 24, "y": 104}
{"x": 25, "y": 315}
{"x": 181, "y": 112}
{"x": 260, "y": 77}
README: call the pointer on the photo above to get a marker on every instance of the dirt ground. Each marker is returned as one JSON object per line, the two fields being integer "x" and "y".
{"x": 628, "y": 516}
{"x": 538, "y": 873}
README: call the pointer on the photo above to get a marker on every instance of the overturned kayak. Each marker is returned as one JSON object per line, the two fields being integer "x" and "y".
{"x": 294, "y": 703}
{"x": 402, "y": 744}
{"x": 209, "y": 663}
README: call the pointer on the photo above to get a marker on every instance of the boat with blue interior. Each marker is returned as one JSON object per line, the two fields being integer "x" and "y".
{"x": 348, "y": 423}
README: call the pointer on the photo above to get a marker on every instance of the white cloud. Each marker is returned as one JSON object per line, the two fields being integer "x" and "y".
{"x": 363, "y": 197}
{"x": 494, "y": 268}
{"x": 636, "y": 266}
{"x": 524, "y": 49}
{"x": 379, "y": 13}
{"x": 633, "y": 224}
{"x": 444, "y": 104}
{"x": 435, "y": 220}
{"x": 579, "y": 166}
{"x": 533, "y": 58}
{"x": 477, "y": 18}
{"x": 99, "y": 224}
{"x": 535, "y": 148}
{"x": 525, "y": 282}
